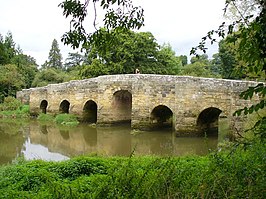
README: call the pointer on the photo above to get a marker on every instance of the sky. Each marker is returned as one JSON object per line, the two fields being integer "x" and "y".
{"x": 181, "y": 23}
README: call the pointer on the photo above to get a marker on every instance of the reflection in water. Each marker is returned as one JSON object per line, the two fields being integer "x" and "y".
{"x": 51, "y": 142}
{"x": 11, "y": 140}
{"x": 44, "y": 129}
{"x": 37, "y": 151}
{"x": 64, "y": 134}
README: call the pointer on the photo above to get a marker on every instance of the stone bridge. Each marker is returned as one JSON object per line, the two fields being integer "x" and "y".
{"x": 188, "y": 105}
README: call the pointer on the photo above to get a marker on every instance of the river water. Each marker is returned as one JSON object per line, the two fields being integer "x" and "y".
{"x": 47, "y": 141}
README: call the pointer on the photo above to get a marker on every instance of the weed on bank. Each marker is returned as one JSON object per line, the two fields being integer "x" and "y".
{"x": 238, "y": 174}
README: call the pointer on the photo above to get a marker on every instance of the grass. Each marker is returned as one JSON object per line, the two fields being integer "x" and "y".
{"x": 45, "y": 117}
{"x": 62, "y": 119}
{"x": 21, "y": 112}
{"x": 241, "y": 174}
{"x": 66, "y": 119}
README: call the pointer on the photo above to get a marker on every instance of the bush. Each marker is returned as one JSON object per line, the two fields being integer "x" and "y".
{"x": 13, "y": 108}
{"x": 240, "y": 174}
{"x": 10, "y": 104}
{"x": 45, "y": 117}
{"x": 67, "y": 119}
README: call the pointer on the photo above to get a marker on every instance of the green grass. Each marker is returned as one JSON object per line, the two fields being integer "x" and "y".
{"x": 241, "y": 174}
{"x": 66, "y": 119}
{"x": 21, "y": 112}
{"x": 62, "y": 119}
{"x": 45, "y": 117}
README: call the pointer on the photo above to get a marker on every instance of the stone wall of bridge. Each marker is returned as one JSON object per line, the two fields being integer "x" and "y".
{"x": 186, "y": 104}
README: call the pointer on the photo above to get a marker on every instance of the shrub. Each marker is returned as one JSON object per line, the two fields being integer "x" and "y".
{"x": 10, "y": 104}
{"x": 66, "y": 119}
{"x": 45, "y": 117}
{"x": 13, "y": 108}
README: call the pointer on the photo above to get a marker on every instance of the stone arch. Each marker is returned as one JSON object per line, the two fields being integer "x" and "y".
{"x": 207, "y": 121}
{"x": 90, "y": 112}
{"x": 122, "y": 106}
{"x": 43, "y": 106}
{"x": 161, "y": 117}
{"x": 64, "y": 106}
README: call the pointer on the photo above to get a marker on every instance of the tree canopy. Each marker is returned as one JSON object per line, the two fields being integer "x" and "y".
{"x": 132, "y": 51}
{"x": 17, "y": 70}
{"x": 119, "y": 15}
{"x": 55, "y": 59}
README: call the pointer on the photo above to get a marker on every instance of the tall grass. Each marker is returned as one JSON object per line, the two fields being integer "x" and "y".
{"x": 219, "y": 175}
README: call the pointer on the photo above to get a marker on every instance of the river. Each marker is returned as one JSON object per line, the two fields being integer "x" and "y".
{"x": 35, "y": 140}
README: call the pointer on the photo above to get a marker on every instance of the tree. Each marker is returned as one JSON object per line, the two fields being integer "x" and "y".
{"x": 119, "y": 15}
{"x": 10, "y": 81}
{"x": 55, "y": 57}
{"x": 96, "y": 68}
{"x": 133, "y": 50}
{"x": 216, "y": 63}
{"x": 199, "y": 67}
{"x": 167, "y": 58}
{"x": 3, "y": 52}
{"x": 10, "y": 45}
{"x": 74, "y": 59}
{"x": 200, "y": 58}
{"x": 50, "y": 76}
{"x": 249, "y": 32}
{"x": 183, "y": 59}
{"x": 7, "y": 48}
{"x": 17, "y": 70}
{"x": 27, "y": 67}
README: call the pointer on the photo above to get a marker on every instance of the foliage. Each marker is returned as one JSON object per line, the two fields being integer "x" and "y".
{"x": 7, "y": 49}
{"x": 13, "y": 108}
{"x": 120, "y": 15}
{"x": 10, "y": 104}
{"x": 55, "y": 57}
{"x": 132, "y": 50}
{"x": 200, "y": 67}
{"x": 219, "y": 175}
{"x": 183, "y": 60}
{"x": 50, "y": 76}
{"x": 17, "y": 70}
{"x": 10, "y": 81}
{"x": 227, "y": 55}
{"x": 66, "y": 119}
{"x": 249, "y": 32}
{"x": 95, "y": 69}
{"x": 27, "y": 67}
{"x": 45, "y": 117}
{"x": 74, "y": 60}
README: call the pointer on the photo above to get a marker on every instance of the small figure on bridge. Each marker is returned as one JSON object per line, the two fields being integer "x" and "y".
{"x": 137, "y": 71}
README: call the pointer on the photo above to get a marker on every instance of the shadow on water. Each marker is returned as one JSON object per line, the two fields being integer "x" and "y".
{"x": 51, "y": 142}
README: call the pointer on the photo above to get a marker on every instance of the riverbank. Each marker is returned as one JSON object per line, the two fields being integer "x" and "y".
{"x": 234, "y": 174}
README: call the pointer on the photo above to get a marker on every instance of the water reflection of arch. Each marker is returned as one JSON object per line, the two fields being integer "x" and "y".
{"x": 90, "y": 112}
{"x": 43, "y": 106}
{"x": 43, "y": 129}
{"x": 161, "y": 117}
{"x": 64, "y": 106}
{"x": 122, "y": 106}
{"x": 65, "y": 134}
{"x": 208, "y": 121}
{"x": 90, "y": 135}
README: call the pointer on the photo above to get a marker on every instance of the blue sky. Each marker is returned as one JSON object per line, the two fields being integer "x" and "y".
{"x": 181, "y": 23}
